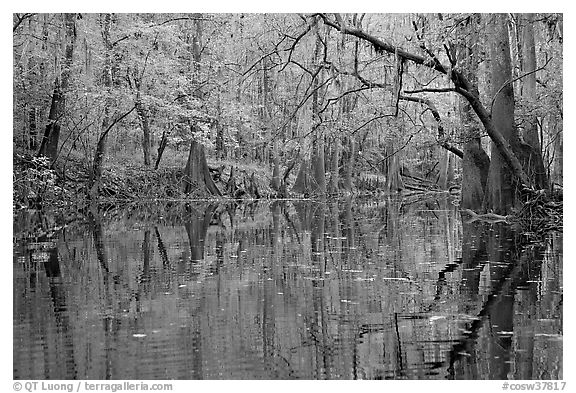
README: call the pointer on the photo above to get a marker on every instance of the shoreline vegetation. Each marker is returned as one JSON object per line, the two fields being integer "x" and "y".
{"x": 62, "y": 192}
{"x": 111, "y": 108}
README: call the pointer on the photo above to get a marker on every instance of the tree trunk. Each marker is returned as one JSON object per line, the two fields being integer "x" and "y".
{"x": 161, "y": 147}
{"x": 145, "y": 121}
{"x": 196, "y": 174}
{"x": 444, "y": 169}
{"x": 100, "y": 153}
{"x": 231, "y": 187}
{"x": 302, "y": 182}
{"x": 333, "y": 187}
{"x": 475, "y": 161}
{"x": 351, "y": 162}
{"x": 394, "y": 181}
{"x": 343, "y": 113}
{"x": 501, "y": 194}
{"x": 534, "y": 164}
{"x": 558, "y": 174}
{"x": 220, "y": 148}
{"x": 276, "y": 181}
{"x": 475, "y": 167}
{"x": 318, "y": 184}
{"x": 33, "y": 130}
{"x": 318, "y": 170}
{"x": 49, "y": 144}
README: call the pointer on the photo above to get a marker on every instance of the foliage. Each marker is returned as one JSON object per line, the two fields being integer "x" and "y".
{"x": 34, "y": 183}
{"x": 268, "y": 84}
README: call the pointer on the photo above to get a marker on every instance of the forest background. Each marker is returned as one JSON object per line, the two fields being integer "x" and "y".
{"x": 288, "y": 105}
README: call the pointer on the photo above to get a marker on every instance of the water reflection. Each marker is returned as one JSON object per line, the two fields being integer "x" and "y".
{"x": 392, "y": 289}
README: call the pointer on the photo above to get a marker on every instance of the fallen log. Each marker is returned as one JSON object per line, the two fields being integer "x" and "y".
{"x": 488, "y": 217}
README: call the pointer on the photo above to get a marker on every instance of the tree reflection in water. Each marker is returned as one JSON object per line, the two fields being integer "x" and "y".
{"x": 300, "y": 289}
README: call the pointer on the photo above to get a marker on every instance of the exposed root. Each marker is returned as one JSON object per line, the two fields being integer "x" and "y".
{"x": 540, "y": 214}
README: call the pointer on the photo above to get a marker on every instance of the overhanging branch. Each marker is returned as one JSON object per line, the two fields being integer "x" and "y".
{"x": 441, "y": 132}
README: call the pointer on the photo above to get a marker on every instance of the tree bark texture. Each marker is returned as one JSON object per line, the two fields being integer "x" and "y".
{"x": 533, "y": 162}
{"x": 475, "y": 166}
{"x": 502, "y": 189}
{"x": 49, "y": 144}
{"x": 475, "y": 160}
{"x": 197, "y": 175}
{"x": 394, "y": 181}
{"x": 302, "y": 182}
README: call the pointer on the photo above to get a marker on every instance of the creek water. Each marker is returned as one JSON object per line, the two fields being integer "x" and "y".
{"x": 386, "y": 289}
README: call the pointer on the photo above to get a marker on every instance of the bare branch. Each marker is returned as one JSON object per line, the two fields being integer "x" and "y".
{"x": 20, "y": 19}
{"x": 370, "y": 121}
{"x": 158, "y": 25}
{"x": 425, "y": 48}
{"x": 335, "y": 99}
{"x": 382, "y": 46}
{"x": 441, "y": 132}
{"x": 432, "y": 90}
{"x": 103, "y": 135}
{"x": 548, "y": 59}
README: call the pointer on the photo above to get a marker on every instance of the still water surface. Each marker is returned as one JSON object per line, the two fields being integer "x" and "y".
{"x": 285, "y": 290}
